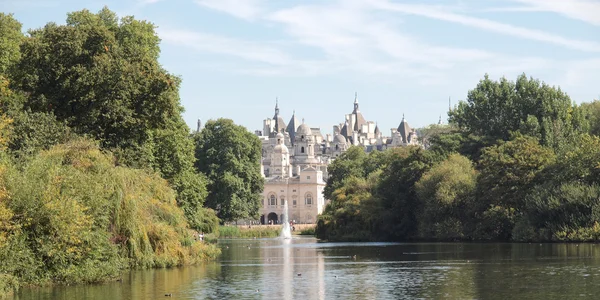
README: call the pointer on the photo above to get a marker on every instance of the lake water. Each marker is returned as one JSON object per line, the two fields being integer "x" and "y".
{"x": 303, "y": 268}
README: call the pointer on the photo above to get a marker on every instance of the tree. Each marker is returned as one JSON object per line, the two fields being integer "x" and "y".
{"x": 352, "y": 214}
{"x": 508, "y": 172}
{"x": 99, "y": 76}
{"x": 445, "y": 192}
{"x": 496, "y": 109}
{"x": 34, "y": 132}
{"x": 509, "y": 169}
{"x": 396, "y": 190}
{"x": 10, "y": 31}
{"x": 230, "y": 157}
{"x": 593, "y": 114}
{"x": 355, "y": 162}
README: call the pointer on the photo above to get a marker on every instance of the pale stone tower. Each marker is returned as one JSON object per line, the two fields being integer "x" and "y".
{"x": 304, "y": 145}
{"x": 280, "y": 161}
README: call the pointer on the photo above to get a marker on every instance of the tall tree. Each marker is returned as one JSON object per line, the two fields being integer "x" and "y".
{"x": 396, "y": 190}
{"x": 230, "y": 157}
{"x": 592, "y": 110}
{"x": 497, "y": 108}
{"x": 100, "y": 76}
{"x": 355, "y": 162}
{"x": 10, "y": 39}
{"x": 445, "y": 191}
{"x": 508, "y": 172}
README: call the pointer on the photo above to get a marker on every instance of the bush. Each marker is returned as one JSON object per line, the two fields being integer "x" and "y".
{"x": 76, "y": 217}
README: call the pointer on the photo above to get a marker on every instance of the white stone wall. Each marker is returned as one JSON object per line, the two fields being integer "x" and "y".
{"x": 295, "y": 189}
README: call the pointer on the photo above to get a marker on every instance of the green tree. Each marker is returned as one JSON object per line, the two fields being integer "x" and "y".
{"x": 495, "y": 109}
{"x": 508, "y": 172}
{"x": 230, "y": 157}
{"x": 355, "y": 162}
{"x": 10, "y": 31}
{"x": 352, "y": 214}
{"x": 509, "y": 169}
{"x": 446, "y": 191}
{"x": 99, "y": 76}
{"x": 396, "y": 190}
{"x": 34, "y": 132}
{"x": 593, "y": 114}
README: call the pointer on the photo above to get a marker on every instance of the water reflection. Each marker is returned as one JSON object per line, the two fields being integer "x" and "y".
{"x": 302, "y": 268}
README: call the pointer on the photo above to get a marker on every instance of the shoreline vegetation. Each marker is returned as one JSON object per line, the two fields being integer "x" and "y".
{"x": 258, "y": 231}
{"x": 99, "y": 173}
{"x": 519, "y": 161}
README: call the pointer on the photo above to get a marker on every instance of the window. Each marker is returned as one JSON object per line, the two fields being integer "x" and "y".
{"x": 307, "y": 177}
{"x": 301, "y": 149}
{"x": 308, "y": 199}
{"x": 294, "y": 202}
{"x": 294, "y": 191}
{"x": 273, "y": 200}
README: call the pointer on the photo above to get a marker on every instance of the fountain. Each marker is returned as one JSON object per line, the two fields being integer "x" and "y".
{"x": 286, "y": 231}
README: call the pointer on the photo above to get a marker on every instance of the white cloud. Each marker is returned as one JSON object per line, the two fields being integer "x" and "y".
{"x": 583, "y": 10}
{"x": 367, "y": 40}
{"x": 147, "y": 2}
{"x": 498, "y": 27}
{"x": 252, "y": 51}
{"x": 245, "y": 9}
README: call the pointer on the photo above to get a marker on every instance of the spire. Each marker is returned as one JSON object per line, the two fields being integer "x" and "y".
{"x": 302, "y": 120}
{"x": 198, "y": 126}
{"x": 356, "y": 97}
{"x": 449, "y": 105}
{"x": 402, "y": 117}
{"x": 440, "y": 121}
{"x": 276, "y": 106}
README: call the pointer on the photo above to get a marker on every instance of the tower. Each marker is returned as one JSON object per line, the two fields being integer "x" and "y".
{"x": 280, "y": 160}
{"x": 304, "y": 145}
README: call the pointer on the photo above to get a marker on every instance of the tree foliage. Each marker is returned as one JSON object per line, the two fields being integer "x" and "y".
{"x": 352, "y": 163}
{"x": 100, "y": 76}
{"x": 10, "y": 31}
{"x": 71, "y": 215}
{"x": 516, "y": 164}
{"x": 230, "y": 157}
{"x": 496, "y": 109}
{"x": 446, "y": 192}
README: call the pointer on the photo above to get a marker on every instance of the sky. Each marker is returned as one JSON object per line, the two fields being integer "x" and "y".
{"x": 409, "y": 58}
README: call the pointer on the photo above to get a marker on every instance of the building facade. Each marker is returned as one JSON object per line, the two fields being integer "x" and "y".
{"x": 295, "y": 159}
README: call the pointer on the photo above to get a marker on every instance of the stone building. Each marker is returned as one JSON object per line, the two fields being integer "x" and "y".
{"x": 295, "y": 159}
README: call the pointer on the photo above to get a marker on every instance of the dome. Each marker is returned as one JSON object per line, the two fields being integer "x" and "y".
{"x": 281, "y": 148}
{"x": 339, "y": 139}
{"x": 280, "y": 136}
{"x": 303, "y": 130}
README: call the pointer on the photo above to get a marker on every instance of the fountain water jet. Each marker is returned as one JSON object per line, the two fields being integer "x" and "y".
{"x": 286, "y": 231}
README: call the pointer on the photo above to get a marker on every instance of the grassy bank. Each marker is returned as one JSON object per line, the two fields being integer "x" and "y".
{"x": 307, "y": 231}
{"x": 252, "y": 232}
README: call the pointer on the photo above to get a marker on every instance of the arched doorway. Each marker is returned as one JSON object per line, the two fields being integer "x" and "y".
{"x": 262, "y": 219}
{"x": 272, "y": 218}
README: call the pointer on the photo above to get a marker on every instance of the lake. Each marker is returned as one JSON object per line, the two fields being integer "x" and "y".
{"x": 303, "y": 268}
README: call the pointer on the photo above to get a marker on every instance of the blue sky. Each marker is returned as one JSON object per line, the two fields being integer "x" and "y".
{"x": 402, "y": 57}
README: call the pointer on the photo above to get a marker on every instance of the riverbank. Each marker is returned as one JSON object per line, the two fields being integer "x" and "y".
{"x": 258, "y": 231}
